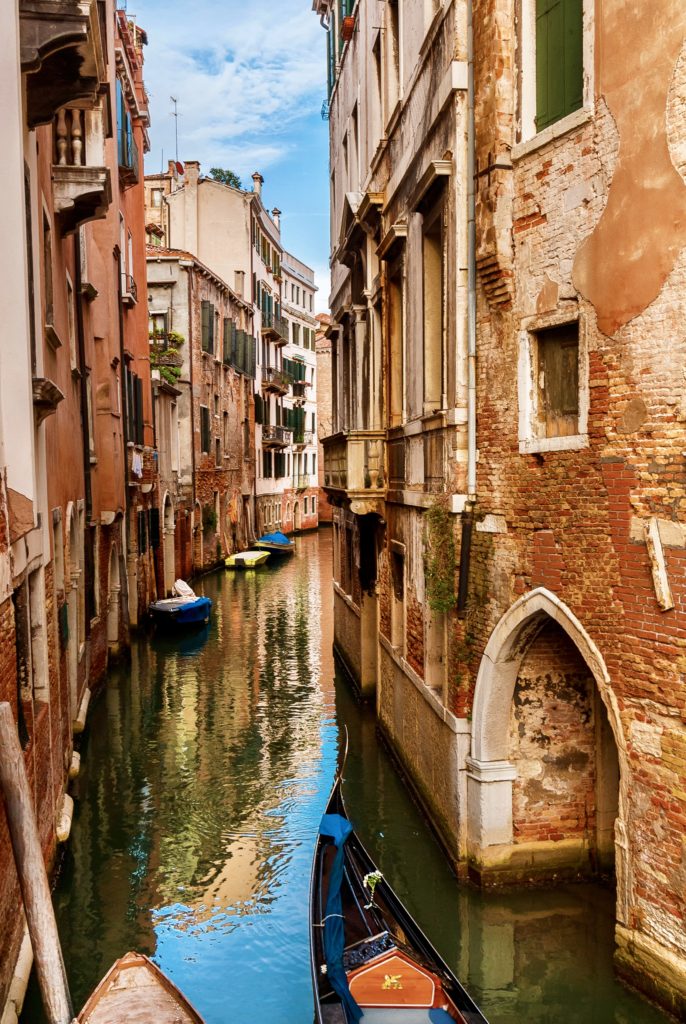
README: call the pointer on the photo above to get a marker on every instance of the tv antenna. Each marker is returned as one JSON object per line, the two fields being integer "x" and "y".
{"x": 175, "y": 115}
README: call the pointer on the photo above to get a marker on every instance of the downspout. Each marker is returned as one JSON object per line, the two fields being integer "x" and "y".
{"x": 468, "y": 514}
{"x": 83, "y": 387}
{"x": 471, "y": 266}
{"x": 123, "y": 405}
{"x": 192, "y": 402}
{"x": 85, "y": 433}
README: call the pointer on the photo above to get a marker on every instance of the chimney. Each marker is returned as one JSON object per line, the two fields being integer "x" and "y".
{"x": 239, "y": 282}
{"x": 276, "y": 215}
{"x": 258, "y": 182}
{"x": 191, "y": 173}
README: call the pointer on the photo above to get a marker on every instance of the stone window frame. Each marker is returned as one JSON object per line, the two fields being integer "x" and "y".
{"x": 527, "y": 390}
{"x": 529, "y": 139}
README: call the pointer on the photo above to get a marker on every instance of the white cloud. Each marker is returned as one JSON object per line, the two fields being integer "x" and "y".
{"x": 244, "y": 74}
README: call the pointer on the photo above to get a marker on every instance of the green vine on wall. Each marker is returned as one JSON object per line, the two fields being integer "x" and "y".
{"x": 209, "y": 519}
{"x": 439, "y": 556}
{"x": 165, "y": 355}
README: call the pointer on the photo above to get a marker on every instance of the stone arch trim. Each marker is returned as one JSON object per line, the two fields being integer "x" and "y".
{"x": 500, "y": 664}
{"x": 167, "y": 500}
{"x": 113, "y": 564}
{"x": 490, "y": 775}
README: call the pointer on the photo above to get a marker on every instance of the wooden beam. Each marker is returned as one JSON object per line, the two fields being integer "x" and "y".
{"x": 33, "y": 879}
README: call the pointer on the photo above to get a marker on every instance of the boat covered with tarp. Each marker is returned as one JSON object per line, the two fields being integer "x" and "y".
{"x": 278, "y": 543}
{"x": 370, "y": 960}
{"x": 135, "y": 991}
{"x": 183, "y": 608}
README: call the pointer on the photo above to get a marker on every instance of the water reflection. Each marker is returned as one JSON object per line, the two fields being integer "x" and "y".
{"x": 206, "y": 767}
{"x": 540, "y": 955}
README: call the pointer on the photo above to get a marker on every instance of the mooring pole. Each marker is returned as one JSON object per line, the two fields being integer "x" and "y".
{"x": 33, "y": 878}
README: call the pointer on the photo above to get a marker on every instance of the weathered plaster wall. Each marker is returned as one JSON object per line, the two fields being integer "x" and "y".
{"x": 552, "y": 742}
{"x": 591, "y": 224}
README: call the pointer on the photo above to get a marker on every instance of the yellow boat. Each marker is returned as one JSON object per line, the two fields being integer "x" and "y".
{"x": 246, "y": 559}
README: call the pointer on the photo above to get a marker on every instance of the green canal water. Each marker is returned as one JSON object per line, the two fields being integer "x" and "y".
{"x": 205, "y": 768}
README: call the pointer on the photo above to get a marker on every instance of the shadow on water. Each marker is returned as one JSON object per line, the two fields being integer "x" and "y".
{"x": 206, "y": 766}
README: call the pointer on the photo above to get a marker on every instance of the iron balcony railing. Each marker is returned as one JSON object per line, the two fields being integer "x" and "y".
{"x": 301, "y": 438}
{"x": 275, "y": 326}
{"x": 275, "y": 436}
{"x": 274, "y": 379}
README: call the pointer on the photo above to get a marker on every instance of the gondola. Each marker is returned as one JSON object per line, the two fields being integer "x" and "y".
{"x": 370, "y": 960}
{"x": 135, "y": 991}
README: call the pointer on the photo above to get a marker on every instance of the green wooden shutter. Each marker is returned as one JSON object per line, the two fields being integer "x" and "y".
{"x": 205, "y": 318}
{"x": 228, "y": 323}
{"x": 559, "y": 59}
{"x": 204, "y": 429}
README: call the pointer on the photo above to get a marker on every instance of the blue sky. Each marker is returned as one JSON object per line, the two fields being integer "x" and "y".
{"x": 250, "y": 78}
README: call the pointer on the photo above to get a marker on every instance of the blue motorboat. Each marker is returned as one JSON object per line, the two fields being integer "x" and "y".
{"x": 278, "y": 543}
{"x": 185, "y": 608}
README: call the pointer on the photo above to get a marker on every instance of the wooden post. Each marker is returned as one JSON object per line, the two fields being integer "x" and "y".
{"x": 33, "y": 878}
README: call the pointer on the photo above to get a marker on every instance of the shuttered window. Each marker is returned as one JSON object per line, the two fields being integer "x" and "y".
{"x": 558, "y": 380}
{"x": 559, "y": 59}
{"x": 259, "y": 409}
{"x": 204, "y": 429}
{"x": 207, "y": 326}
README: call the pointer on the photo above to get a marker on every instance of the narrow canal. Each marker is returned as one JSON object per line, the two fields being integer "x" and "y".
{"x": 206, "y": 767}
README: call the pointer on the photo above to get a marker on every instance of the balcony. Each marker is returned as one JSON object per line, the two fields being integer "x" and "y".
{"x": 302, "y": 438}
{"x": 275, "y": 437}
{"x": 301, "y": 482}
{"x": 81, "y": 183}
{"x": 299, "y": 388}
{"x": 354, "y": 467}
{"x": 275, "y": 380}
{"x": 275, "y": 328}
{"x": 62, "y": 55}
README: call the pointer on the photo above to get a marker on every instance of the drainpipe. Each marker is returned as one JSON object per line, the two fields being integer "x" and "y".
{"x": 83, "y": 386}
{"x": 85, "y": 432}
{"x": 468, "y": 514}
{"x": 471, "y": 266}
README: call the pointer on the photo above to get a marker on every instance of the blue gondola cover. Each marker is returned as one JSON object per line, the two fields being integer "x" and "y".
{"x": 338, "y": 828}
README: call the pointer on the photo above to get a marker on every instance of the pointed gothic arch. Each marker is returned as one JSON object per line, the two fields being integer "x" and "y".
{"x": 490, "y": 773}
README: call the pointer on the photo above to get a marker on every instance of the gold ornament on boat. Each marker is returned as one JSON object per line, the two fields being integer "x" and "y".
{"x": 391, "y": 981}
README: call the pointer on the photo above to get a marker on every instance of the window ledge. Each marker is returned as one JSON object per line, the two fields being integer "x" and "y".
{"x": 553, "y": 444}
{"x": 554, "y": 131}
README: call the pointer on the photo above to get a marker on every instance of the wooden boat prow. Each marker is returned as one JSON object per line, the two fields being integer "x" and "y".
{"x": 135, "y": 991}
{"x": 379, "y": 966}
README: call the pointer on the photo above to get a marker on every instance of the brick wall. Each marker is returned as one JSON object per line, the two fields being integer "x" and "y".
{"x": 552, "y": 741}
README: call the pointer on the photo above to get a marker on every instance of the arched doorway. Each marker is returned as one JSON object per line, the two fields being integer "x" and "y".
{"x": 168, "y": 543}
{"x": 113, "y": 601}
{"x": 296, "y": 515}
{"x": 546, "y": 779}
